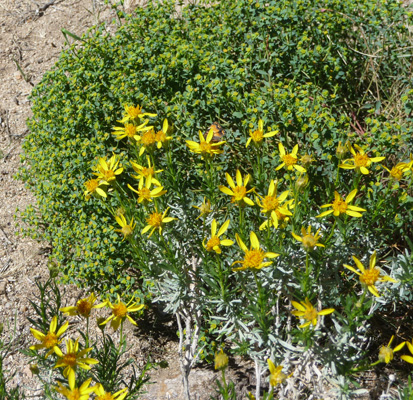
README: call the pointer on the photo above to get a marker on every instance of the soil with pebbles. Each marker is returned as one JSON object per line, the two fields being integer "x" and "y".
{"x": 30, "y": 44}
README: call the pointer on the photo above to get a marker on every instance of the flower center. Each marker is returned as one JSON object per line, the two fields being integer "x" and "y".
{"x": 130, "y": 130}
{"x": 145, "y": 193}
{"x": 155, "y": 220}
{"x": 361, "y": 160}
{"x": 310, "y": 314}
{"x": 253, "y": 258}
{"x": 73, "y": 395}
{"x": 160, "y": 136}
{"x": 50, "y": 340}
{"x": 309, "y": 241}
{"x": 119, "y": 310}
{"x": 340, "y": 206}
{"x": 126, "y": 230}
{"x": 70, "y": 359}
{"x": 134, "y": 112}
{"x": 148, "y": 138}
{"x": 289, "y": 159}
{"x": 147, "y": 172}
{"x": 92, "y": 185}
{"x": 108, "y": 174}
{"x": 83, "y": 308}
{"x": 396, "y": 173}
{"x": 257, "y": 136}
{"x": 385, "y": 354}
{"x": 214, "y": 241}
{"x": 239, "y": 192}
{"x": 370, "y": 276}
{"x": 205, "y": 147}
{"x": 270, "y": 203}
{"x": 277, "y": 378}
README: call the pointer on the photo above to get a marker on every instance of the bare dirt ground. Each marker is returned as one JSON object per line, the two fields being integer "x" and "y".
{"x": 30, "y": 43}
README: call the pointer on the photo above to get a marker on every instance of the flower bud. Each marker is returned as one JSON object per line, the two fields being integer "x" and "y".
{"x": 221, "y": 360}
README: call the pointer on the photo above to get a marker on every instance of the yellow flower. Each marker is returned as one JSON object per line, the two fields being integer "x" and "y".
{"x": 120, "y": 313}
{"x": 221, "y": 360}
{"x": 340, "y": 206}
{"x": 134, "y": 113}
{"x": 360, "y": 161}
{"x": 308, "y": 240}
{"x": 75, "y": 393}
{"x": 254, "y": 257}
{"x": 239, "y": 191}
{"x": 369, "y": 277}
{"x": 386, "y": 352}
{"x": 204, "y": 208}
{"x": 83, "y": 307}
{"x": 258, "y": 135}
{"x": 103, "y": 395}
{"x": 397, "y": 171}
{"x": 147, "y": 141}
{"x": 93, "y": 186}
{"x": 408, "y": 359}
{"x": 276, "y": 375}
{"x": 73, "y": 359}
{"x": 161, "y": 137}
{"x": 127, "y": 229}
{"x": 272, "y": 205}
{"x": 205, "y": 147}
{"x": 156, "y": 221}
{"x": 289, "y": 160}
{"x": 107, "y": 170}
{"x": 130, "y": 130}
{"x": 50, "y": 340}
{"x": 145, "y": 172}
{"x": 308, "y": 312}
{"x": 215, "y": 243}
{"x": 145, "y": 194}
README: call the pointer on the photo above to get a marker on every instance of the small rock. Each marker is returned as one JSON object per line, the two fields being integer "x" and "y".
{"x": 3, "y": 286}
{"x": 17, "y": 75}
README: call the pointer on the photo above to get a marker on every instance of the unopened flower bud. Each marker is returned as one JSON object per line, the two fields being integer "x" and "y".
{"x": 34, "y": 369}
{"x": 221, "y": 360}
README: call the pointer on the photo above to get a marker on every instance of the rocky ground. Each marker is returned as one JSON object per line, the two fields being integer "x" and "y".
{"x": 30, "y": 43}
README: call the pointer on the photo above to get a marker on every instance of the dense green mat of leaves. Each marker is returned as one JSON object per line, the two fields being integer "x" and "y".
{"x": 320, "y": 73}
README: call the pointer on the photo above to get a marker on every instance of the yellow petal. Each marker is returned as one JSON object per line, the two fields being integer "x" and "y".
{"x": 254, "y": 241}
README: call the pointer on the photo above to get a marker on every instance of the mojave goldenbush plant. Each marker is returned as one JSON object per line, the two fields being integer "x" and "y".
{"x": 319, "y": 73}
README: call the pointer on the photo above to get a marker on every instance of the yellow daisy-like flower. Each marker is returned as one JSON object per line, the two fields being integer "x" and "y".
{"x": 340, "y": 206}
{"x": 127, "y": 229}
{"x": 397, "y": 171}
{"x": 145, "y": 193}
{"x": 103, "y": 395}
{"x": 221, "y": 360}
{"x": 239, "y": 191}
{"x": 215, "y": 243}
{"x": 76, "y": 393}
{"x": 279, "y": 218}
{"x": 147, "y": 141}
{"x": 369, "y": 277}
{"x": 254, "y": 257}
{"x": 93, "y": 186}
{"x": 386, "y": 352}
{"x": 130, "y": 130}
{"x": 145, "y": 172}
{"x": 134, "y": 113}
{"x": 160, "y": 137}
{"x": 108, "y": 170}
{"x": 272, "y": 205}
{"x": 276, "y": 375}
{"x": 306, "y": 311}
{"x": 360, "y": 161}
{"x": 204, "y": 208}
{"x": 83, "y": 307}
{"x": 50, "y": 340}
{"x": 155, "y": 221}
{"x": 289, "y": 160}
{"x": 308, "y": 240}
{"x": 120, "y": 313}
{"x": 205, "y": 147}
{"x": 258, "y": 135}
{"x": 73, "y": 359}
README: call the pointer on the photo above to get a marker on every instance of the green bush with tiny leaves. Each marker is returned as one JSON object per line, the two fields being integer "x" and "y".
{"x": 319, "y": 72}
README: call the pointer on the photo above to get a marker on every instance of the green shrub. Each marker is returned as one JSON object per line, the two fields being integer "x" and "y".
{"x": 312, "y": 70}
